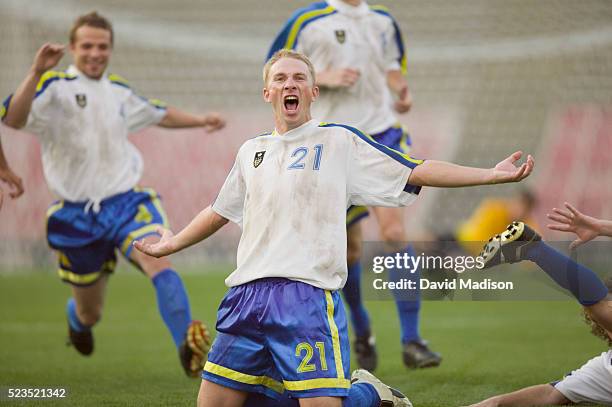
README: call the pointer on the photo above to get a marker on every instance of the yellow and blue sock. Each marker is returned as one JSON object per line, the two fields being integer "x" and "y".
{"x": 173, "y": 303}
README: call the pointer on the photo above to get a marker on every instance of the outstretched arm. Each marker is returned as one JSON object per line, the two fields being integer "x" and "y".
{"x": 443, "y": 174}
{"x": 176, "y": 118}
{"x": 540, "y": 395}
{"x": 585, "y": 227}
{"x": 46, "y": 58}
{"x": 202, "y": 226}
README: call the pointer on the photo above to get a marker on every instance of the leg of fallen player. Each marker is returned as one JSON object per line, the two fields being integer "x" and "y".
{"x": 214, "y": 395}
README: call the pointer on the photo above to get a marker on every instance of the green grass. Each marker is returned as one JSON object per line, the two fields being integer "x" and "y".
{"x": 488, "y": 347}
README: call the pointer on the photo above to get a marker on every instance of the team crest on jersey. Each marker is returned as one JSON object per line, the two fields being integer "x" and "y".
{"x": 259, "y": 156}
{"x": 340, "y": 36}
{"x": 81, "y": 99}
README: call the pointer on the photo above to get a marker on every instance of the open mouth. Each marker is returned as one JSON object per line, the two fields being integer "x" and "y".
{"x": 291, "y": 103}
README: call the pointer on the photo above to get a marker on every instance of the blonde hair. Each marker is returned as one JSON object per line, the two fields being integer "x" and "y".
{"x": 597, "y": 329}
{"x": 287, "y": 53}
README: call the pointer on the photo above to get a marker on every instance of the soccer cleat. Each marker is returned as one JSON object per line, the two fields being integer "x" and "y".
{"x": 509, "y": 246}
{"x": 83, "y": 342}
{"x": 365, "y": 348}
{"x": 194, "y": 349}
{"x": 417, "y": 355}
{"x": 389, "y": 397}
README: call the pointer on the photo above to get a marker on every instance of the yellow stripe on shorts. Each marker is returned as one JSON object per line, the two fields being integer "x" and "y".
{"x": 243, "y": 377}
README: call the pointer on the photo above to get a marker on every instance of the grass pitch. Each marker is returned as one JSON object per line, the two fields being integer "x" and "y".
{"x": 488, "y": 347}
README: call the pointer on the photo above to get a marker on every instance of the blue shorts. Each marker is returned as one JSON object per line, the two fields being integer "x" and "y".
{"x": 276, "y": 334}
{"x": 86, "y": 241}
{"x": 395, "y": 137}
{"x": 398, "y": 139}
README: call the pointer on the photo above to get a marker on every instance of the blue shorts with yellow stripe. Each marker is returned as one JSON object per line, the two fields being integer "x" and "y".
{"x": 86, "y": 240}
{"x": 276, "y": 335}
{"x": 395, "y": 137}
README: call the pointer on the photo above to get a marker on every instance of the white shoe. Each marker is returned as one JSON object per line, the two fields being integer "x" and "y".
{"x": 389, "y": 397}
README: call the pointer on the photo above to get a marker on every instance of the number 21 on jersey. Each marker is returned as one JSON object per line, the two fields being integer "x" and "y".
{"x": 300, "y": 154}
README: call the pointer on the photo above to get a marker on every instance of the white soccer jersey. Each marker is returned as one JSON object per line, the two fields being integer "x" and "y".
{"x": 335, "y": 35}
{"x": 290, "y": 192}
{"x": 83, "y": 127}
{"x": 591, "y": 383}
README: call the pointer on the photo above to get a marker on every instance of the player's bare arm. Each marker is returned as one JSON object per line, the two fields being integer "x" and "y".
{"x": 9, "y": 177}
{"x": 46, "y": 58}
{"x": 202, "y": 226}
{"x": 399, "y": 86}
{"x": 176, "y": 118}
{"x": 443, "y": 174}
{"x": 583, "y": 226}
{"x": 338, "y": 78}
{"x": 540, "y": 395}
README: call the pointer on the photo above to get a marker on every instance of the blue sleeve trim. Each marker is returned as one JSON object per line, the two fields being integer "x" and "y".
{"x": 398, "y": 36}
{"x": 123, "y": 85}
{"x": 289, "y": 35}
{"x": 412, "y": 189}
{"x": 402, "y": 158}
{"x": 156, "y": 103}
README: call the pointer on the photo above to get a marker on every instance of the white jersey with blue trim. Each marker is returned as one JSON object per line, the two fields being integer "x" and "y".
{"x": 336, "y": 35}
{"x": 592, "y": 383}
{"x": 83, "y": 127}
{"x": 289, "y": 193}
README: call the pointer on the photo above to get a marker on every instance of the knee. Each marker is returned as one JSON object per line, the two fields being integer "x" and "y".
{"x": 393, "y": 233}
{"x": 151, "y": 266}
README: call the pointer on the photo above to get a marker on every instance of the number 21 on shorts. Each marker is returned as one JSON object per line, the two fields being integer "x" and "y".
{"x": 305, "y": 351}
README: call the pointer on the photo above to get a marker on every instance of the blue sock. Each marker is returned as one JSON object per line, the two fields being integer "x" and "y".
{"x": 408, "y": 302}
{"x": 352, "y": 295}
{"x": 173, "y": 303}
{"x": 73, "y": 319}
{"x": 361, "y": 395}
{"x": 582, "y": 282}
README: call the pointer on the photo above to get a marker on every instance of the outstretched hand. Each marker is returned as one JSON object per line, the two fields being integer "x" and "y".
{"x": 162, "y": 248}
{"x": 571, "y": 220}
{"x": 47, "y": 57}
{"x": 507, "y": 171}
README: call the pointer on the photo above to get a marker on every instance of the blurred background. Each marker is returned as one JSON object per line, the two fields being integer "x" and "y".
{"x": 488, "y": 77}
